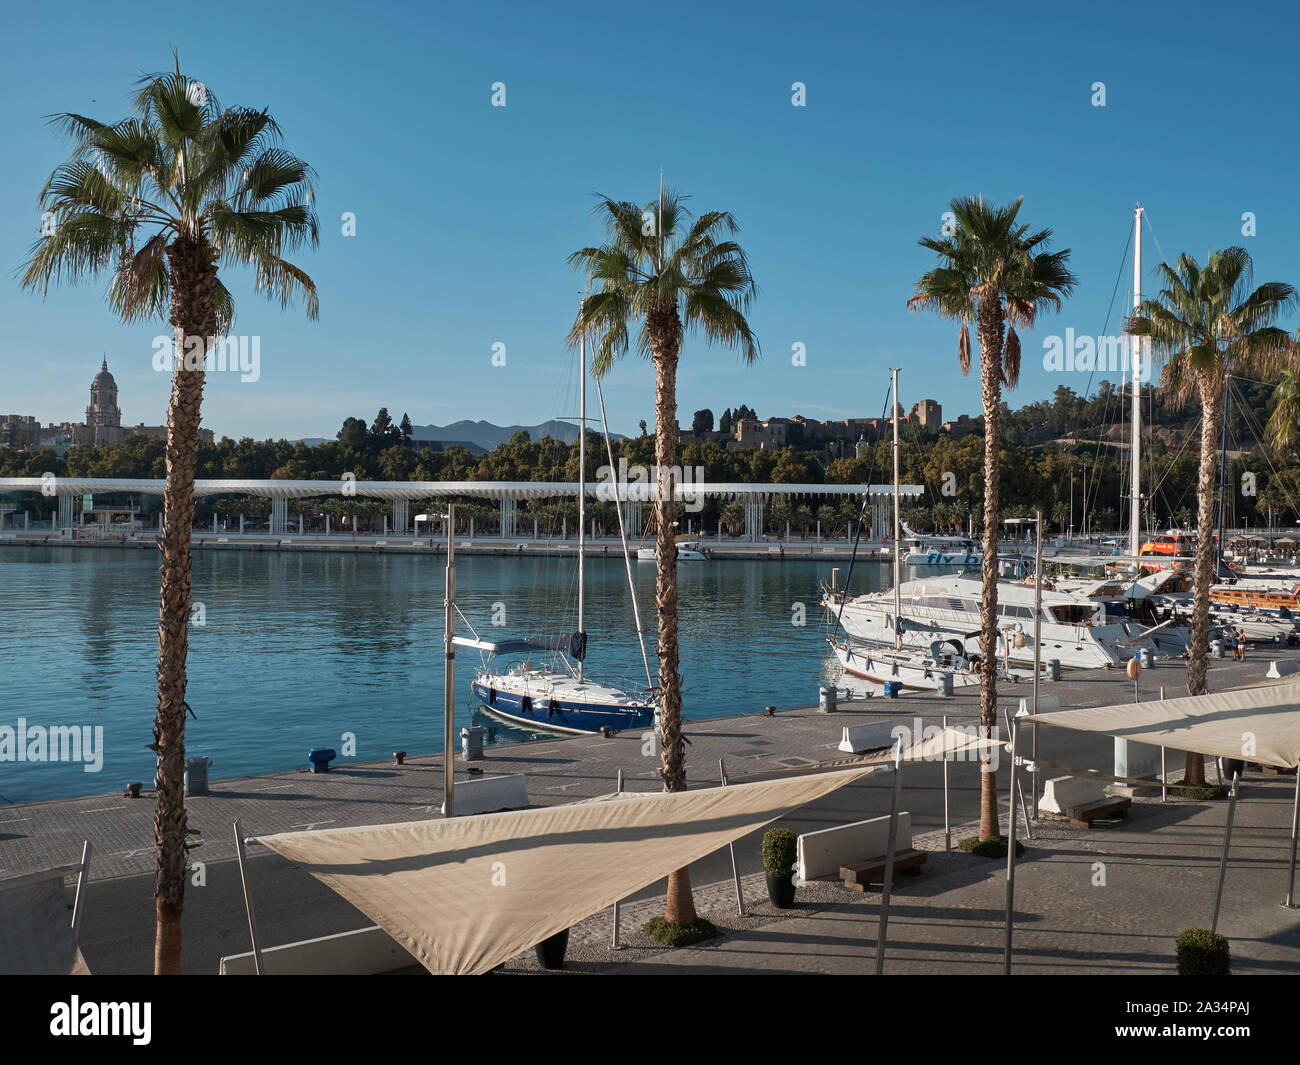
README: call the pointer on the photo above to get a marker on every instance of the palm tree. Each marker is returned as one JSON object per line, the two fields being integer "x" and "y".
{"x": 1207, "y": 323}
{"x": 672, "y": 273}
{"x": 159, "y": 200}
{"x": 997, "y": 273}
{"x": 1283, "y": 423}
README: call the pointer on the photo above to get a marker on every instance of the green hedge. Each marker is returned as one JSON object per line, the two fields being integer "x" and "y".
{"x": 1202, "y": 953}
{"x": 780, "y": 850}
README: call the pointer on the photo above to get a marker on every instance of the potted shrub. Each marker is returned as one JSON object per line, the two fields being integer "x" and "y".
{"x": 1201, "y": 952}
{"x": 779, "y": 854}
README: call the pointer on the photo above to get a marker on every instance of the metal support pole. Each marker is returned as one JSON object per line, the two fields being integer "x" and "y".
{"x": 449, "y": 680}
{"x": 1223, "y": 859}
{"x": 1011, "y": 809}
{"x": 614, "y": 943}
{"x": 1295, "y": 823}
{"x": 947, "y": 822}
{"x": 248, "y": 901}
{"x": 735, "y": 872}
{"x": 889, "y": 859}
{"x": 78, "y": 903}
{"x": 1164, "y": 786}
{"x": 1038, "y": 641}
{"x": 1011, "y": 863}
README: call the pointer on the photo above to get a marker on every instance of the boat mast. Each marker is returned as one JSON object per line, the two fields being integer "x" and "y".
{"x": 1135, "y": 362}
{"x": 898, "y": 589}
{"x": 582, "y": 479}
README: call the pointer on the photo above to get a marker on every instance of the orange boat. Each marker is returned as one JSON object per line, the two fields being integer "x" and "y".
{"x": 1261, "y": 597}
{"x": 1168, "y": 544}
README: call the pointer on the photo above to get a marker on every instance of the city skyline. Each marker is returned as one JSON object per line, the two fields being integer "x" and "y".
{"x": 462, "y": 302}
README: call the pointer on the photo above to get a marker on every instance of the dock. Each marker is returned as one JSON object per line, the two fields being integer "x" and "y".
{"x": 117, "y": 934}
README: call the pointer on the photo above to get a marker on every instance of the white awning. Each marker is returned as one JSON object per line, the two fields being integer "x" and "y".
{"x": 36, "y": 937}
{"x": 1259, "y": 724}
{"x": 465, "y": 894}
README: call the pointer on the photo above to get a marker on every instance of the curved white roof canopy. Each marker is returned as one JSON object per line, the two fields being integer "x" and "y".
{"x": 1258, "y": 724}
{"x": 275, "y": 489}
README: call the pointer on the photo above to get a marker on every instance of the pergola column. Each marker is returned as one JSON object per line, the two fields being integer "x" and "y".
{"x": 401, "y": 516}
{"x": 279, "y": 516}
{"x": 754, "y": 519}
{"x": 64, "y": 518}
{"x": 509, "y": 507}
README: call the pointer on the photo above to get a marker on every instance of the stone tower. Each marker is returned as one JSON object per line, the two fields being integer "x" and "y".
{"x": 103, "y": 418}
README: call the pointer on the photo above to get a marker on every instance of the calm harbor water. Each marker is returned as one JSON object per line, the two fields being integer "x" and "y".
{"x": 297, "y": 650}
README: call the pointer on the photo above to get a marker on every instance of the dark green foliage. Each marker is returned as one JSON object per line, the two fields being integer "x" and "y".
{"x": 1202, "y": 953}
{"x": 673, "y": 935}
{"x": 1206, "y": 791}
{"x": 780, "y": 849}
{"x": 993, "y": 847}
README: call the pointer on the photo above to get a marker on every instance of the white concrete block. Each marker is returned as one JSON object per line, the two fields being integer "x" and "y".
{"x": 1061, "y": 793}
{"x": 485, "y": 795}
{"x": 1282, "y": 668}
{"x": 362, "y": 952}
{"x": 1136, "y": 760}
{"x": 822, "y": 853}
{"x": 1047, "y": 704}
{"x": 869, "y": 737}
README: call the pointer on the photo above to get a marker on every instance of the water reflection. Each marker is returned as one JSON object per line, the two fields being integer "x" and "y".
{"x": 298, "y": 650}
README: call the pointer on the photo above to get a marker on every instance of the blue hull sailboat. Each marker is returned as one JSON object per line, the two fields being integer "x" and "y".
{"x": 559, "y": 697}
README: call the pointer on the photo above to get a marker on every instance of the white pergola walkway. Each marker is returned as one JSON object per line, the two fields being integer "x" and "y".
{"x": 402, "y": 493}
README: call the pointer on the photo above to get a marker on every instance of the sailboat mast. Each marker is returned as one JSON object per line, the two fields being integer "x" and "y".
{"x": 582, "y": 482}
{"x": 898, "y": 588}
{"x": 1135, "y": 363}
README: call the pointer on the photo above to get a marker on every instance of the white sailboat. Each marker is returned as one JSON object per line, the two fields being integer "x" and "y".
{"x": 909, "y": 663}
{"x": 560, "y": 697}
{"x": 1082, "y": 626}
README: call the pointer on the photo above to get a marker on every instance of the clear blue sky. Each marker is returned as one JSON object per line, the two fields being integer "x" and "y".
{"x": 465, "y": 212}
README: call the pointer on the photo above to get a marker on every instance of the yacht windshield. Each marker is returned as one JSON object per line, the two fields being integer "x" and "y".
{"x": 1074, "y": 613}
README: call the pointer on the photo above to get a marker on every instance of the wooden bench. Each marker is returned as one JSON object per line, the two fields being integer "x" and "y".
{"x": 860, "y": 876}
{"x": 1083, "y": 816}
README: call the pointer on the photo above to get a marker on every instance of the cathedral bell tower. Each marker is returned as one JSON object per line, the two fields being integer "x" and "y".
{"x": 103, "y": 418}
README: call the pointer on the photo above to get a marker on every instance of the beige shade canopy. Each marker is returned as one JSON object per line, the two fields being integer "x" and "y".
{"x": 1259, "y": 724}
{"x": 36, "y": 937}
{"x": 465, "y": 894}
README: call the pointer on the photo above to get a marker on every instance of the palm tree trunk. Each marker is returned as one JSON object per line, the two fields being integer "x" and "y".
{"x": 1211, "y": 389}
{"x": 193, "y": 314}
{"x": 664, "y": 326}
{"x": 990, "y": 338}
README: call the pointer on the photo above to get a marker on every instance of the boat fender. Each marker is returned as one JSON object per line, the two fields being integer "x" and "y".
{"x": 492, "y": 697}
{"x": 526, "y": 704}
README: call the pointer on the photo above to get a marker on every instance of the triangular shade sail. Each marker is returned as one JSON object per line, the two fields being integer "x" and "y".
{"x": 465, "y": 894}
{"x": 35, "y": 930}
{"x": 946, "y": 744}
{"x": 1260, "y": 724}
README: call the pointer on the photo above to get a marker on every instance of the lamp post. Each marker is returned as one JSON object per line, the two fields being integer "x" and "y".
{"x": 1037, "y": 522}
{"x": 449, "y": 677}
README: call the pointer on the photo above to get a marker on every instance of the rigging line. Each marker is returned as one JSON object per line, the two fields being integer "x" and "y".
{"x": 1146, "y": 215}
{"x": 1252, "y": 423}
{"x": 622, "y": 535}
{"x": 1190, "y": 483}
{"x": 866, "y": 500}
{"x": 1113, "y": 293}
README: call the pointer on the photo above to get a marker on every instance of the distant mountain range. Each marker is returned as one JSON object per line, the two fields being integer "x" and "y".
{"x": 485, "y": 434}
{"x": 490, "y": 436}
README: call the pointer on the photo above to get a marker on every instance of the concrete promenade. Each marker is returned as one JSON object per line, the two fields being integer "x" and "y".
{"x": 950, "y": 913}
{"x": 770, "y": 550}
